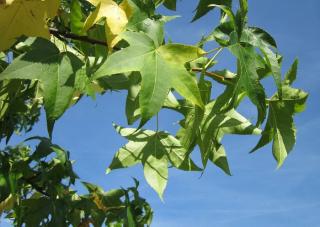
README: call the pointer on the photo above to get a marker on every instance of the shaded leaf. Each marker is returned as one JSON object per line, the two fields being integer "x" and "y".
{"x": 203, "y": 7}
{"x": 56, "y": 72}
{"x": 249, "y": 79}
{"x": 155, "y": 150}
{"x": 262, "y": 40}
{"x": 280, "y": 126}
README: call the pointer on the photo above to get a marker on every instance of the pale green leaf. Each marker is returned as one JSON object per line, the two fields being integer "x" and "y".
{"x": 156, "y": 173}
{"x": 161, "y": 68}
{"x": 155, "y": 150}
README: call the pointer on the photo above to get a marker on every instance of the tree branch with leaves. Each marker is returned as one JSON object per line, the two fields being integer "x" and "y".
{"x": 72, "y": 49}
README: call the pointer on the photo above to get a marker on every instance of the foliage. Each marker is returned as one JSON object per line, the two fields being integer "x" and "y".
{"x": 35, "y": 191}
{"x": 64, "y": 51}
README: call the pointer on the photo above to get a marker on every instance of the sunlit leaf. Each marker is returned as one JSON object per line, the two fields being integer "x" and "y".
{"x": 115, "y": 18}
{"x": 161, "y": 68}
{"x": 22, "y": 17}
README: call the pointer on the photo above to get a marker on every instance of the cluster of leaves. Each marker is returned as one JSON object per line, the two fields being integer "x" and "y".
{"x": 36, "y": 190}
{"x": 101, "y": 45}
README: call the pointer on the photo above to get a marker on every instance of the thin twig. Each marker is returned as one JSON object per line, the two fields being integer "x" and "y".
{"x": 215, "y": 76}
{"x": 69, "y": 35}
{"x": 63, "y": 35}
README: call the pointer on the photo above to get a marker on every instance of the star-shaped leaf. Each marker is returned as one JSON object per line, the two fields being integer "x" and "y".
{"x": 155, "y": 150}
{"x": 161, "y": 68}
{"x": 280, "y": 125}
{"x": 116, "y": 18}
{"x": 209, "y": 130}
{"x": 23, "y": 17}
{"x": 55, "y": 70}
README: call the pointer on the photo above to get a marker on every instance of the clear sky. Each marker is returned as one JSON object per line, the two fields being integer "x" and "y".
{"x": 257, "y": 194}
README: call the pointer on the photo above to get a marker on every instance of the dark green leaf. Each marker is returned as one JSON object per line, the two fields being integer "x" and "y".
{"x": 203, "y": 7}
{"x": 249, "y": 79}
{"x": 56, "y": 72}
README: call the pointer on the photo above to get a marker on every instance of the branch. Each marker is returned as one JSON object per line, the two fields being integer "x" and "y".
{"x": 68, "y": 35}
{"x": 63, "y": 35}
{"x": 215, "y": 76}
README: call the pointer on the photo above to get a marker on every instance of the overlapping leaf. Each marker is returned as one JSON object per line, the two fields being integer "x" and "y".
{"x": 22, "y": 17}
{"x": 56, "y": 72}
{"x": 204, "y": 7}
{"x": 208, "y": 129}
{"x": 262, "y": 40}
{"x": 116, "y": 19}
{"x": 46, "y": 176}
{"x": 280, "y": 126}
{"x": 161, "y": 68}
{"x": 155, "y": 150}
{"x": 248, "y": 78}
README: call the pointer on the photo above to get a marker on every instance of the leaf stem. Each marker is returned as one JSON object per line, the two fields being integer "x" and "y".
{"x": 215, "y": 76}
{"x": 157, "y": 122}
{"x": 213, "y": 58}
{"x": 213, "y": 50}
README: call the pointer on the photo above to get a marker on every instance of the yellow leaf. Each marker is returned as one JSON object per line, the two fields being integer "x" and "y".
{"x": 25, "y": 17}
{"x": 7, "y": 204}
{"x": 116, "y": 19}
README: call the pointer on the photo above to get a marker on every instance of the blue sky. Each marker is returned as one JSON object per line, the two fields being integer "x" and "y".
{"x": 257, "y": 194}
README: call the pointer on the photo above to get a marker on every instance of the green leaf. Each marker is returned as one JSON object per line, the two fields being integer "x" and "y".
{"x": 130, "y": 218}
{"x": 214, "y": 126}
{"x": 170, "y": 4}
{"x": 262, "y": 40}
{"x": 140, "y": 11}
{"x": 76, "y": 18}
{"x": 244, "y": 8}
{"x": 221, "y": 34}
{"x": 249, "y": 79}
{"x": 133, "y": 112}
{"x": 241, "y": 17}
{"x": 156, "y": 172}
{"x": 228, "y": 11}
{"x": 203, "y": 7}
{"x": 38, "y": 210}
{"x": 153, "y": 28}
{"x": 292, "y": 73}
{"x": 218, "y": 157}
{"x": 56, "y": 72}
{"x": 280, "y": 126}
{"x": 155, "y": 150}
{"x": 161, "y": 68}
{"x": 207, "y": 132}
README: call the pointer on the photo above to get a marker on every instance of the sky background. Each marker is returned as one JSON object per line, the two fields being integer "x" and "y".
{"x": 257, "y": 194}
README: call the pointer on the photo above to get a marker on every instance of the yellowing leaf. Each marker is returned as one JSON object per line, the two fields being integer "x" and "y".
{"x": 25, "y": 17}
{"x": 116, "y": 19}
